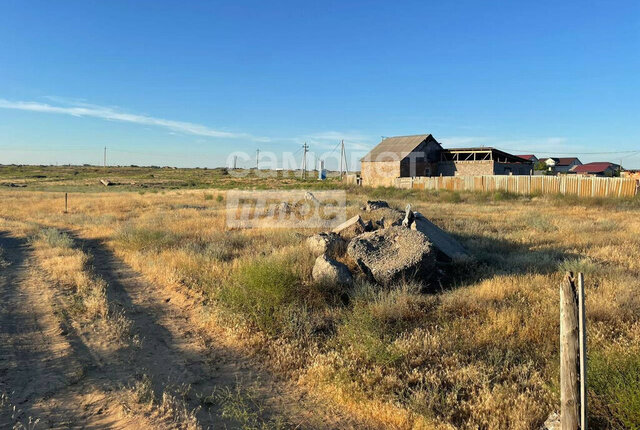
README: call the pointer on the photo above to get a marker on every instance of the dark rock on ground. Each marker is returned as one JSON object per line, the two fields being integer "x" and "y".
{"x": 373, "y": 205}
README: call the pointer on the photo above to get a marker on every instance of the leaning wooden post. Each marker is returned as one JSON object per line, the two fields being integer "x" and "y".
{"x": 65, "y": 202}
{"x": 569, "y": 367}
{"x": 583, "y": 352}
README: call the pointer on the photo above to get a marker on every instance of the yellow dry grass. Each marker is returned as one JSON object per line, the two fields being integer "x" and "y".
{"x": 482, "y": 353}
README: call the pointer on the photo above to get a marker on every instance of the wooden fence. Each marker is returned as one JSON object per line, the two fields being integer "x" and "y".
{"x": 582, "y": 186}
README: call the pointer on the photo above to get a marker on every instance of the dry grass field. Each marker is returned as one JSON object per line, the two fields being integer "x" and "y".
{"x": 158, "y": 314}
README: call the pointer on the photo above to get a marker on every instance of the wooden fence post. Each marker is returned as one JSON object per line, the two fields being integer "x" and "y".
{"x": 573, "y": 359}
{"x": 568, "y": 354}
{"x": 65, "y": 202}
{"x": 582, "y": 330}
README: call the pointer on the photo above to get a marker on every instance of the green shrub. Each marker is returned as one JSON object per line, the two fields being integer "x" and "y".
{"x": 261, "y": 289}
{"x": 56, "y": 238}
{"x": 451, "y": 197}
{"x": 539, "y": 222}
{"x": 577, "y": 265}
{"x": 145, "y": 239}
{"x": 378, "y": 317}
{"x": 614, "y": 388}
{"x": 220, "y": 198}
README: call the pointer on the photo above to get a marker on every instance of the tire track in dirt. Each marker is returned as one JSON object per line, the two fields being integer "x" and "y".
{"x": 62, "y": 373}
{"x": 38, "y": 360}
{"x": 172, "y": 351}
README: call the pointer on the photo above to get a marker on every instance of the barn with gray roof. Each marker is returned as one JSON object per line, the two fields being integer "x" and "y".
{"x": 423, "y": 155}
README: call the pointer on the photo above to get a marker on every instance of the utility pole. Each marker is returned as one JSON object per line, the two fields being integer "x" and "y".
{"x": 343, "y": 160}
{"x": 341, "y": 152}
{"x": 104, "y": 161}
{"x": 257, "y": 159}
{"x": 305, "y": 148}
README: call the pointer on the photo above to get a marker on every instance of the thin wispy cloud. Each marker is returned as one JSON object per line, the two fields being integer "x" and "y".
{"x": 113, "y": 114}
{"x": 353, "y": 141}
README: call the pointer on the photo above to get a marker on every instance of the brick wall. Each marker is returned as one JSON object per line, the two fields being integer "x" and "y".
{"x": 465, "y": 168}
{"x": 379, "y": 173}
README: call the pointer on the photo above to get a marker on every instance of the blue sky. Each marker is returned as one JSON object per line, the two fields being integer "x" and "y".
{"x": 188, "y": 83}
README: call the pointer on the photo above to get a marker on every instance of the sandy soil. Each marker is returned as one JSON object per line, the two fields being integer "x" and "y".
{"x": 71, "y": 376}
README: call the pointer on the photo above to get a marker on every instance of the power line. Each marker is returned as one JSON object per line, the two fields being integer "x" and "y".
{"x": 335, "y": 147}
{"x": 305, "y": 148}
{"x": 572, "y": 153}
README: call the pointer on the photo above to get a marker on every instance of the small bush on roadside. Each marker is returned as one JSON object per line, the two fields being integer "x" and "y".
{"x": 56, "y": 238}
{"x": 378, "y": 316}
{"x": 259, "y": 289}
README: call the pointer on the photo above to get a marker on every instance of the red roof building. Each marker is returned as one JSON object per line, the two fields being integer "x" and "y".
{"x": 529, "y": 157}
{"x": 600, "y": 168}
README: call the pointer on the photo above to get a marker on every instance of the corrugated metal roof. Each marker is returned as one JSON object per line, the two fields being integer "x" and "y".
{"x": 399, "y": 146}
{"x": 597, "y": 167}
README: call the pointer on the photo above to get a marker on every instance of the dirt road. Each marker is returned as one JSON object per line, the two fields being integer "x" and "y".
{"x": 70, "y": 376}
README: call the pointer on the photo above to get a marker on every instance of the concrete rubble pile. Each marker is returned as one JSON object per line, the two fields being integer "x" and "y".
{"x": 391, "y": 246}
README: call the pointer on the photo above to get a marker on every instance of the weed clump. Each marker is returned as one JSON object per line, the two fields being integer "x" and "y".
{"x": 56, "y": 238}
{"x": 378, "y": 317}
{"x": 146, "y": 239}
{"x": 614, "y": 385}
{"x": 260, "y": 288}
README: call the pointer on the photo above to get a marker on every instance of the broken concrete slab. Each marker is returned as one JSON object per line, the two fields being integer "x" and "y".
{"x": 373, "y": 205}
{"x": 351, "y": 227}
{"x": 408, "y": 217}
{"x": 440, "y": 239}
{"x": 393, "y": 254}
{"x": 329, "y": 243}
{"x": 329, "y": 270}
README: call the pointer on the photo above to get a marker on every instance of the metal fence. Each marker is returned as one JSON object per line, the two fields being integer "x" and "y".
{"x": 582, "y": 186}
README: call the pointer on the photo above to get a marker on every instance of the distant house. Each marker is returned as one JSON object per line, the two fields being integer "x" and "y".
{"x": 602, "y": 168}
{"x": 400, "y": 156}
{"x": 529, "y": 157}
{"x": 561, "y": 165}
{"x": 422, "y": 155}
